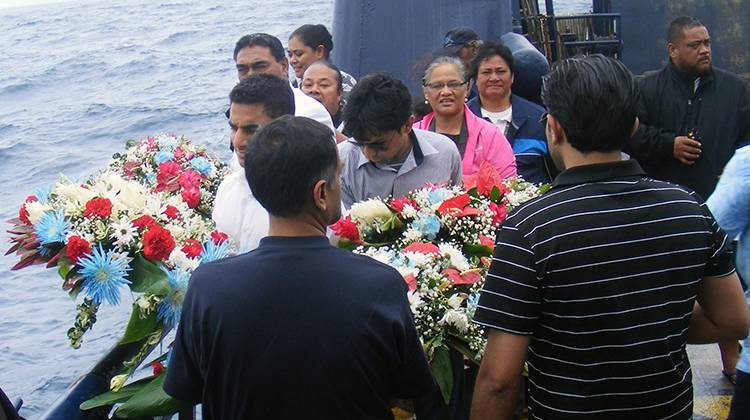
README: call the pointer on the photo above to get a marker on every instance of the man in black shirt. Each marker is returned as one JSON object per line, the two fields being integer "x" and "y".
{"x": 693, "y": 117}
{"x": 296, "y": 328}
{"x": 595, "y": 283}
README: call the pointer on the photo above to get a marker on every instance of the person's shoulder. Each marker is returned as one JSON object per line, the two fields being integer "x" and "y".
{"x": 306, "y": 106}
{"x": 436, "y": 140}
{"x": 369, "y": 273}
{"x": 224, "y": 271}
{"x": 729, "y": 77}
{"x": 347, "y": 149}
{"x": 525, "y": 105}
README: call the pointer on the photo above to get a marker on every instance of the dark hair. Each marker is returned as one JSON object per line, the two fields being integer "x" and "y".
{"x": 260, "y": 39}
{"x": 339, "y": 77}
{"x": 314, "y": 35}
{"x": 273, "y": 93}
{"x": 285, "y": 159}
{"x": 378, "y": 103}
{"x": 489, "y": 50}
{"x": 595, "y": 99}
{"x": 680, "y": 24}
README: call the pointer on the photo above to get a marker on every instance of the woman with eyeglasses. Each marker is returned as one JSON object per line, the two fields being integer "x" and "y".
{"x": 445, "y": 89}
{"x": 311, "y": 43}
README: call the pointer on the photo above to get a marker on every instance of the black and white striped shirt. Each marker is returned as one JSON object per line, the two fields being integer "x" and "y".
{"x": 602, "y": 273}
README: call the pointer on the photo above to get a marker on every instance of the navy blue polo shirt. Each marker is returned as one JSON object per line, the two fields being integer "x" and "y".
{"x": 297, "y": 329}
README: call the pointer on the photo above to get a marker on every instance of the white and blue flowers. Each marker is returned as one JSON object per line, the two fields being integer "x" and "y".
{"x": 201, "y": 164}
{"x": 428, "y": 226}
{"x": 213, "y": 252}
{"x": 104, "y": 273}
{"x": 168, "y": 311}
{"x": 163, "y": 156}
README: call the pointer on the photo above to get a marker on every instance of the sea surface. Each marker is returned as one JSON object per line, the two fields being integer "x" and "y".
{"x": 78, "y": 79}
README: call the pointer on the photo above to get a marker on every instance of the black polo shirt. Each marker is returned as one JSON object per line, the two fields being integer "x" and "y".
{"x": 602, "y": 273}
{"x": 297, "y": 329}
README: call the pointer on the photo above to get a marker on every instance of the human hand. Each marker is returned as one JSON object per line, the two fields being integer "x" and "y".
{"x": 686, "y": 150}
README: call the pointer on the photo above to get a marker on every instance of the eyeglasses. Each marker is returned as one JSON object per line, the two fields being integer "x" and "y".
{"x": 453, "y": 85}
{"x": 543, "y": 118}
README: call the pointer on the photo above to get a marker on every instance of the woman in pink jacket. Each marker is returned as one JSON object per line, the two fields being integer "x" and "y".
{"x": 445, "y": 89}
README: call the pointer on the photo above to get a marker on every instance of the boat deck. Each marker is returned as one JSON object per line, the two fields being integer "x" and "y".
{"x": 713, "y": 393}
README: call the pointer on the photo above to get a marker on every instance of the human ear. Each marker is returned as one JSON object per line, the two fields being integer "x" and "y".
{"x": 320, "y": 194}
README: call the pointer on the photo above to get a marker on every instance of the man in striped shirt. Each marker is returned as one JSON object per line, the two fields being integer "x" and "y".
{"x": 600, "y": 283}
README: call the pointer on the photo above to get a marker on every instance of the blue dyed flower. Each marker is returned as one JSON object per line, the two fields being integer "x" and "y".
{"x": 471, "y": 304}
{"x": 213, "y": 252}
{"x": 437, "y": 195}
{"x": 168, "y": 311}
{"x": 51, "y": 227}
{"x": 42, "y": 194}
{"x": 201, "y": 164}
{"x": 151, "y": 177}
{"x": 103, "y": 275}
{"x": 428, "y": 226}
{"x": 163, "y": 156}
{"x": 169, "y": 143}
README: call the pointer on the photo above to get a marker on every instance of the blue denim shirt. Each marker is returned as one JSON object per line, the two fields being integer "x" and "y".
{"x": 730, "y": 205}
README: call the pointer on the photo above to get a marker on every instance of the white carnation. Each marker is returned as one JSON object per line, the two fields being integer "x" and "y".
{"x": 456, "y": 318}
{"x": 456, "y": 300}
{"x": 181, "y": 261}
{"x": 36, "y": 210}
{"x": 418, "y": 259}
{"x": 370, "y": 211}
{"x": 456, "y": 256}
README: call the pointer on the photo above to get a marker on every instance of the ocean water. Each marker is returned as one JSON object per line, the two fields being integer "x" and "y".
{"x": 77, "y": 79}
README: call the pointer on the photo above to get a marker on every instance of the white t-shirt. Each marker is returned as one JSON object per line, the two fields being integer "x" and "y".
{"x": 238, "y": 214}
{"x": 500, "y": 119}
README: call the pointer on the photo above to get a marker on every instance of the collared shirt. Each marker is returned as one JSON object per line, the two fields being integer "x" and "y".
{"x": 297, "y": 329}
{"x": 602, "y": 272}
{"x": 238, "y": 214}
{"x": 434, "y": 159}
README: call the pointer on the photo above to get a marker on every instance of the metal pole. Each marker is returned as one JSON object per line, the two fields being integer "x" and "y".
{"x": 549, "y": 5}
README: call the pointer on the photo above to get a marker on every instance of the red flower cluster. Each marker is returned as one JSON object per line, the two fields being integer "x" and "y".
{"x": 172, "y": 212}
{"x": 347, "y": 229}
{"x": 98, "y": 207}
{"x": 76, "y": 248}
{"x": 468, "y": 277}
{"x": 192, "y": 248}
{"x": 218, "y": 237}
{"x": 23, "y": 214}
{"x": 158, "y": 243}
{"x": 144, "y": 222}
{"x": 485, "y": 180}
{"x": 192, "y": 196}
{"x": 190, "y": 179}
{"x": 500, "y": 213}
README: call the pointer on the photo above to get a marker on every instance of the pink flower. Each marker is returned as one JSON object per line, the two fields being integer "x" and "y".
{"x": 192, "y": 196}
{"x": 129, "y": 168}
{"x": 347, "y": 229}
{"x": 190, "y": 179}
{"x": 484, "y": 180}
{"x": 499, "y": 213}
{"x": 399, "y": 203}
{"x": 422, "y": 248}
{"x": 467, "y": 277}
{"x": 179, "y": 153}
{"x": 411, "y": 282}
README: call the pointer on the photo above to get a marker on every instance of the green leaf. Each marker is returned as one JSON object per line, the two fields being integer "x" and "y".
{"x": 148, "y": 277}
{"x": 477, "y": 250}
{"x": 63, "y": 268}
{"x": 151, "y": 400}
{"x": 463, "y": 348}
{"x": 139, "y": 328}
{"x": 114, "y": 397}
{"x": 441, "y": 368}
{"x": 544, "y": 188}
{"x": 495, "y": 194}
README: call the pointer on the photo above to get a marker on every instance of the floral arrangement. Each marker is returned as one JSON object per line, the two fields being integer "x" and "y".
{"x": 142, "y": 224}
{"x": 440, "y": 239}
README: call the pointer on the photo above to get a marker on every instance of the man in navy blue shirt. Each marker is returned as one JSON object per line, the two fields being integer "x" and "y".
{"x": 296, "y": 328}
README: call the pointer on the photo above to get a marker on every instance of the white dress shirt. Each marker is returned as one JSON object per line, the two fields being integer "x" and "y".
{"x": 238, "y": 214}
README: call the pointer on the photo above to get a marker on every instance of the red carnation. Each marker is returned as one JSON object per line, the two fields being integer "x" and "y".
{"x": 76, "y": 248}
{"x": 157, "y": 243}
{"x": 157, "y": 367}
{"x": 167, "y": 177}
{"x": 98, "y": 207}
{"x": 347, "y": 229}
{"x": 172, "y": 212}
{"x": 218, "y": 237}
{"x": 399, "y": 203}
{"x": 23, "y": 214}
{"x": 192, "y": 248}
{"x": 191, "y": 196}
{"x": 144, "y": 222}
{"x": 190, "y": 179}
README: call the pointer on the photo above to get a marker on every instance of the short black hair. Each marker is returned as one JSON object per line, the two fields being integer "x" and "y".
{"x": 314, "y": 35}
{"x": 378, "y": 103}
{"x": 273, "y": 93}
{"x": 339, "y": 77}
{"x": 680, "y": 24}
{"x": 595, "y": 99}
{"x": 285, "y": 159}
{"x": 489, "y": 50}
{"x": 260, "y": 39}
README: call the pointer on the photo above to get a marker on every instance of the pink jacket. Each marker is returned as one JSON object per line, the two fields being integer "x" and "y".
{"x": 484, "y": 142}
